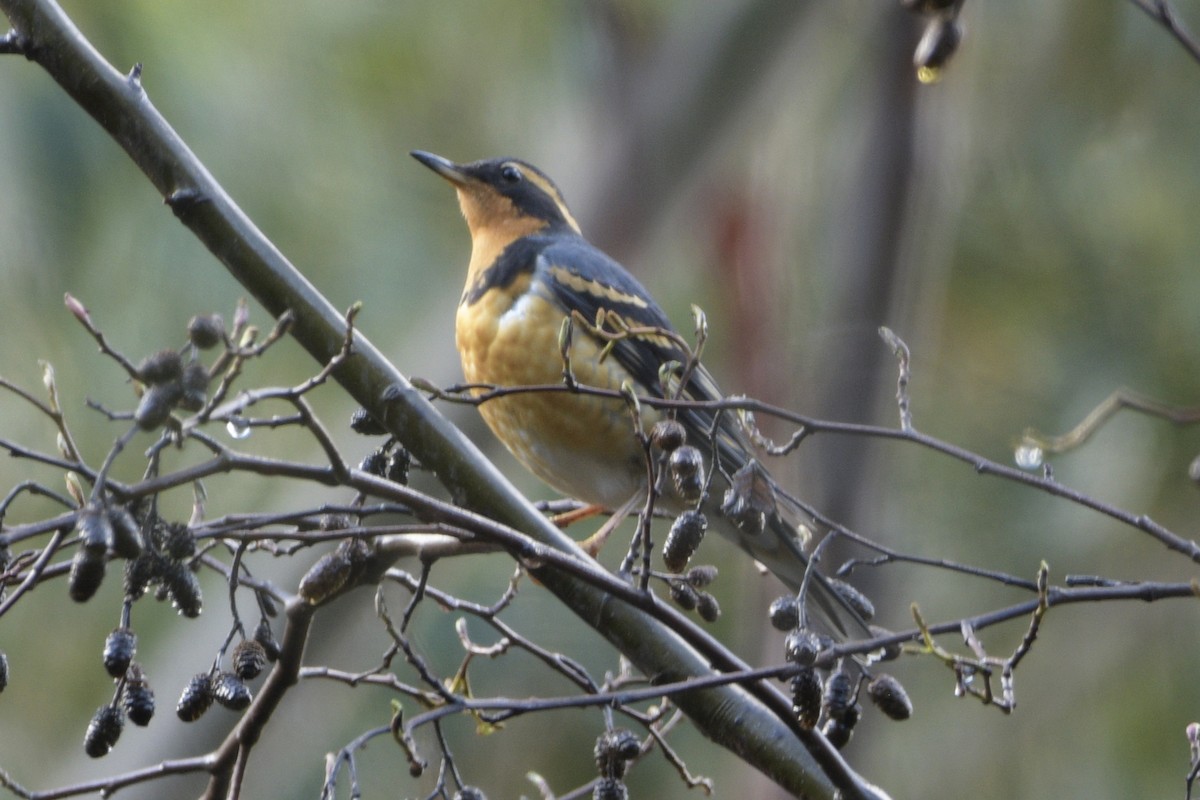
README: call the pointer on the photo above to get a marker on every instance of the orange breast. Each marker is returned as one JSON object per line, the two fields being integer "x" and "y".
{"x": 583, "y": 446}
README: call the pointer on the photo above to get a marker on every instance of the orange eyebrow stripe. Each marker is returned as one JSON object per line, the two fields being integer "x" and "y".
{"x": 551, "y": 191}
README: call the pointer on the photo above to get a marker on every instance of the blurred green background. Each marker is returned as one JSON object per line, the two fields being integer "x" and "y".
{"x": 1027, "y": 226}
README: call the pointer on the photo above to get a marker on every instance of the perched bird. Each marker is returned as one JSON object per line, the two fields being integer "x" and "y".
{"x": 530, "y": 269}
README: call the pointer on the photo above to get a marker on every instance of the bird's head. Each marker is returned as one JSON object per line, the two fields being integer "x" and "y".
{"x": 503, "y": 196}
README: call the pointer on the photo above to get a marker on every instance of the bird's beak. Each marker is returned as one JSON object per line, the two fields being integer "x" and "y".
{"x": 443, "y": 166}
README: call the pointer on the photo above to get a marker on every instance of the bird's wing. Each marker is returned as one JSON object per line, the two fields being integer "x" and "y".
{"x": 584, "y": 279}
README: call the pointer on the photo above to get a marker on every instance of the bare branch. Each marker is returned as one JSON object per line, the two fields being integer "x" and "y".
{"x": 1120, "y": 399}
{"x": 1162, "y": 12}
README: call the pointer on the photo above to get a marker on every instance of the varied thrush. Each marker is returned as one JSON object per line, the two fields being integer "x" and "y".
{"x": 531, "y": 269}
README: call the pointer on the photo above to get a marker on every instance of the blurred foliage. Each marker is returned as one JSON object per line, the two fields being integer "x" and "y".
{"x": 1047, "y": 255}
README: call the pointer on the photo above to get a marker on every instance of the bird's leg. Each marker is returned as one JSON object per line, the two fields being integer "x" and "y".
{"x": 568, "y": 518}
{"x": 593, "y": 543}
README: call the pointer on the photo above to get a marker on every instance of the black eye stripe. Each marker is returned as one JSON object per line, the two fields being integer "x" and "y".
{"x": 510, "y": 173}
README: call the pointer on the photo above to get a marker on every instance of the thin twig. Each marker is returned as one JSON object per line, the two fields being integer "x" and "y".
{"x": 1120, "y": 399}
{"x": 1162, "y": 12}
{"x": 900, "y": 351}
{"x": 812, "y": 426}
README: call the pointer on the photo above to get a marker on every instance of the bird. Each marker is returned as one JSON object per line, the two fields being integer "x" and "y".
{"x": 530, "y": 269}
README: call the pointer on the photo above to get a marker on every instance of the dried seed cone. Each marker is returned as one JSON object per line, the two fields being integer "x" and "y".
{"x": 249, "y": 659}
{"x": 179, "y": 542}
{"x": 668, "y": 435}
{"x": 841, "y": 712}
{"x": 889, "y": 697}
{"x": 854, "y": 598}
{"x": 806, "y": 697}
{"x": 701, "y": 576}
{"x": 837, "y": 732}
{"x": 364, "y": 423}
{"x": 267, "y": 603}
{"x": 610, "y": 789}
{"x": 839, "y": 694}
{"x": 87, "y": 571}
{"x": 614, "y": 750}
{"x": 103, "y": 731}
{"x": 374, "y": 463}
{"x": 196, "y": 698}
{"x": 194, "y": 385}
{"x": 95, "y": 531}
{"x": 684, "y": 537}
{"x": 264, "y": 636}
{"x": 707, "y": 607}
{"x": 139, "y": 697}
{"x": 687, "y": 472}
{"x": 784, "y": 613}
{"x": 119, "y": 649}
{"x": 325, "y": 578}
{"x": 164, "y": 366}
{"x": 684, "y": 595}
{"x": 184, "y": 589}
{"x": 126, "y": 535}
{"x": 156, "y": 404}
{"x": 398, "y": 463}
{"x": 802, "y": 646}
{"x": 140, "y": 572}
{"x": 229, "y": 691}
{"x": 206, "y": 331}
{"x": 739, "y": 508}
{"x": 838, "y": 728}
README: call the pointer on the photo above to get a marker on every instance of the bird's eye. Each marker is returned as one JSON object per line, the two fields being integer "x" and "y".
{"x": 510, "y": 173}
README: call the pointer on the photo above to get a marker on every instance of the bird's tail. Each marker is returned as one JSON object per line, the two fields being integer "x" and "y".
{"x": 746, "y": 505}
{"x": 774, "y": 529}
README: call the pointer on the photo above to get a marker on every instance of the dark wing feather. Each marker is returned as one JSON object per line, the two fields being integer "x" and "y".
{"x": 585, "y": 279}
{"x": 594, "y": 282}
{"x": 602, "y": 283}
